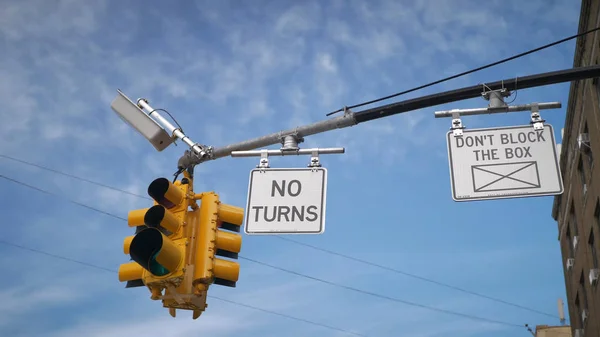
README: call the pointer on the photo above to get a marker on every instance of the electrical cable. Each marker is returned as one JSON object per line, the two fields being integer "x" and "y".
{"x": 72, "y": 176}
{"x": 64, "y": 258}
{"x": 288, "y": 316}
{"x": 168, "y": 113}
{"x": 425, "y": 279}
{"x": 7, "y": 243}
{"x": 389, "y": 298}
{"x": 56, "y": 195}
{"x": 467, "y": 72}
{"x": 307, "y": 276}
{"x": 348, "y": 257}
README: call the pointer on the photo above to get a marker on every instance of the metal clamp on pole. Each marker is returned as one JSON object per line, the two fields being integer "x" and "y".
{"x": 536, "y": 118}
{"x": 457, "y": 125}
{"x": 290, "y": 142}
{"x": 496, "y": 98}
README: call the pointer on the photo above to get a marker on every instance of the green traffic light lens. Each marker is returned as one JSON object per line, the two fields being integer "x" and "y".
{"x": 156, "y": 268}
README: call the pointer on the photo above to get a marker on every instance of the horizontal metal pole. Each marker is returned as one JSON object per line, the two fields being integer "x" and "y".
{"x": 483, "y": 111}
{"x": 258, "y": 153}
{"x": 277, "y": 137}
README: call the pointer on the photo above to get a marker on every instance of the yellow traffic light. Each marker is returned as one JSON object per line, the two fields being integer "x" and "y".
{"x": 212, "y": 239}
{"x": 174, "y": 247}
{"x": 158, "y": 245}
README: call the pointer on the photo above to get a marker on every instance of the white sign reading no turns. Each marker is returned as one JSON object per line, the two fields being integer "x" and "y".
{"x": 286, "y": 201}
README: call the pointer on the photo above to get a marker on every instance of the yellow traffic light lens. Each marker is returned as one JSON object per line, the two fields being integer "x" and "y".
{"x": 165, "y": 193}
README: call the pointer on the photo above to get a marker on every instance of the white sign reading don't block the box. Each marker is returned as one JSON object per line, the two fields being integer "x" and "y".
{"x": 504, "y": 162}
{"x": 286, "y": 201}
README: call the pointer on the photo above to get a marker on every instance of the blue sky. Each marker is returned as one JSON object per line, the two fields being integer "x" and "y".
{"x": 229, "y": 71}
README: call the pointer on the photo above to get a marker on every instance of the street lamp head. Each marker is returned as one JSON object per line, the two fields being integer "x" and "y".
{"x": 142, "y": 122}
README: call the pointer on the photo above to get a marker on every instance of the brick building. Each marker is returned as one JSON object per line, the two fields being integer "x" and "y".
{"x": 577, "y": 210}
{"x": 552, "y": 331}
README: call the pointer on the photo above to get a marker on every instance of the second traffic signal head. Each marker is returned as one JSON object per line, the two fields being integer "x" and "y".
{"x": 213, "y": 239}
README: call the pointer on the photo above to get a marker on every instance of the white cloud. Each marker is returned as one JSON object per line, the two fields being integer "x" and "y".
{"x": 18, "y": 300}
{"x": 229, "y": 72}
{"x": 223, "y": 325}
{"x": 298, "y": 19}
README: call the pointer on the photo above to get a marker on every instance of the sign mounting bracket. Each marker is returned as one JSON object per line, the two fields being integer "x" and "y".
{"x": 264, "y": 160}
{"x": 314, "y": 159}
{"x": 536, "y": 117}
{"x": 457, "y": 125}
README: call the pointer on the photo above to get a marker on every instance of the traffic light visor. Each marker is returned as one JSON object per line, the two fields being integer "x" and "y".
{"x": 127, "y": 244}
{"x": 130, "y": 271}
{"x": 136, "y": 217}
{"x": 165, "y": 193}
{"x": 155, "y": 252}
{"x": 159, "y": 216}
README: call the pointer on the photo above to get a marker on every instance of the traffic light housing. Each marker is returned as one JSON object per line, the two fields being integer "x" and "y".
{"x": 176, "y": 243}
{"x": 158, "y": 246}
{"x": 214, "y": 239}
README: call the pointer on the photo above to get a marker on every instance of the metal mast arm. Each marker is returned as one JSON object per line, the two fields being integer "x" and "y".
{"x": 353, "y": 118}
{"x": 277, "y": 137}
{"x": 532, "y": 81}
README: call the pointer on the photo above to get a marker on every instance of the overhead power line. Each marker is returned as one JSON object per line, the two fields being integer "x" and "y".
{"x": 394, "y": 270}
{"x": 91, "y": 265}
{"x": 73, "y": 176}
{"x": 64, "y": 258}
{"x": 425, "y": 279}
{"x": 69, "y": 200}
{"x": 300, "y": 274}
{"x": 389, "y": 298}
{"x": 535, "y": 50}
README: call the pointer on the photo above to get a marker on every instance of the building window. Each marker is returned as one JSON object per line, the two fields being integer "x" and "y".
{"x": 593, "y": 249}
{"x": 587, "y": 147}
{"x": 578, "y": 311}
{"x": 570, "y": 242}
{"x": 581, "y": 172}
{"x": 573, "y": 220}
{"x": 597, "y": 214}
{"x": 584, "y": 298}
{"x": 573, "y": 230}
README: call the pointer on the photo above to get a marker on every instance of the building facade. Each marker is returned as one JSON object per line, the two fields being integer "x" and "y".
{"x": 577, "y": 210}
{"x": 552, "y": 331}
